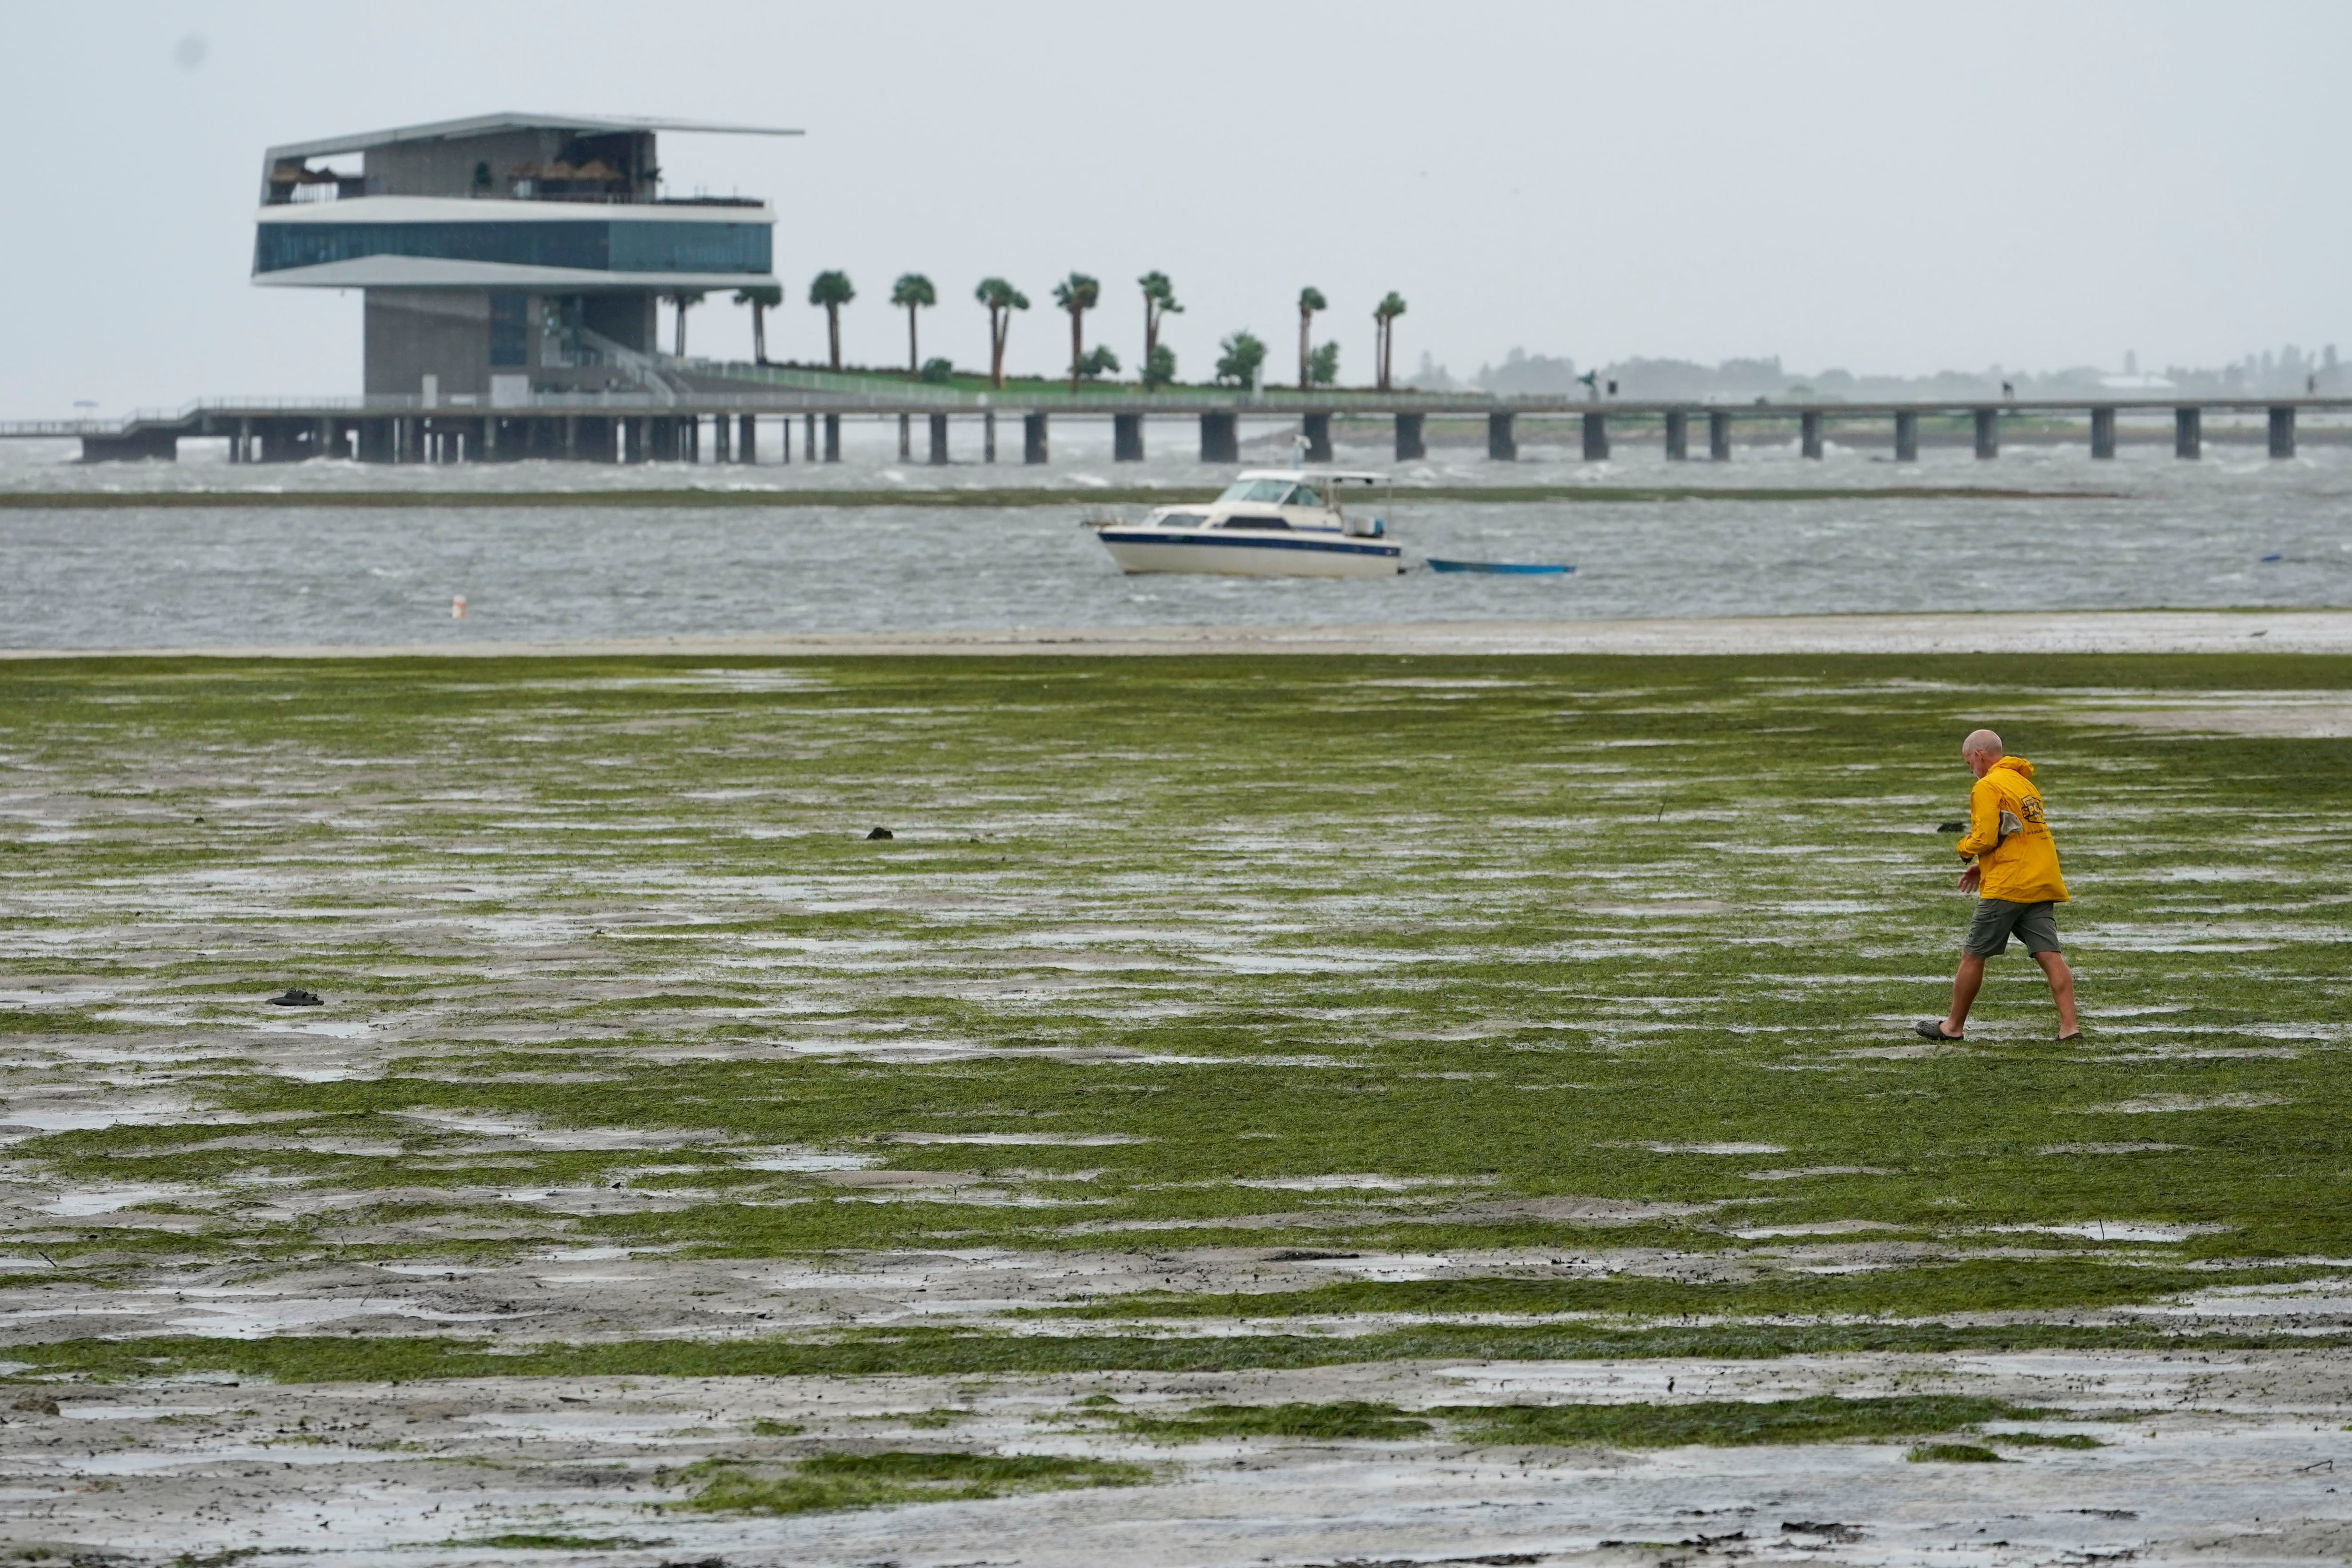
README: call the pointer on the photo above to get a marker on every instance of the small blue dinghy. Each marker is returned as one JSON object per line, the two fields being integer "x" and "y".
{"x": 1510, "y": 568}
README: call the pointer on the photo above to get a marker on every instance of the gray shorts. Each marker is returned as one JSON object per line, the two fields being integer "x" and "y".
{"x": 2036, "y": 925}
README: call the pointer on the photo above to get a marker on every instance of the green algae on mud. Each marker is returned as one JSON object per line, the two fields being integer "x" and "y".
{"x": 841, "y": 1480}
{"x": 2008, "y": 1284}
{"x": 1426, "y": 954}
{"x": 318, "y": 1358}
{"x": 1721, "y": 1424}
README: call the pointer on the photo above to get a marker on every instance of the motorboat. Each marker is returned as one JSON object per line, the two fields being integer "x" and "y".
{"x": 1270, "y": 523}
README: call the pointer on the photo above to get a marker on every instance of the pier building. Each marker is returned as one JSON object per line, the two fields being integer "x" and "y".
{"x": 506, "y": 256}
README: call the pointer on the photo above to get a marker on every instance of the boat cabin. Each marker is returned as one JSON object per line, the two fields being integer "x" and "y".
{"x": 1301, "y": 498}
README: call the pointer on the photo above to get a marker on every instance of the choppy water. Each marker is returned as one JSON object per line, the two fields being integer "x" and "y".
{"x": 2165, "y": 534}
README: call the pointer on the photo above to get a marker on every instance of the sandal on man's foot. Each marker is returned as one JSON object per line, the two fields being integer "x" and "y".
{"x": 1933, "y": 1029}
{"x": 2073, "y": 1035}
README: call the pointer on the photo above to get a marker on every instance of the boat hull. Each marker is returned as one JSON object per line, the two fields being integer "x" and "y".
{"x": 1225, "y": 553}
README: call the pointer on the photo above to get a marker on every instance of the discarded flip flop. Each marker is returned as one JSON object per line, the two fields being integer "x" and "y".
{"x": 294, "y": 998}
{"x": 1933, "y": 1029}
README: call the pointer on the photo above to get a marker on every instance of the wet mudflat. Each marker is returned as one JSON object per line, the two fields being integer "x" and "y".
{"x": 1293, "y": 1110}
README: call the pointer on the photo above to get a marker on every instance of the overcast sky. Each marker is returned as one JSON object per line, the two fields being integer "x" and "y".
{"x": 1881, "y": 187}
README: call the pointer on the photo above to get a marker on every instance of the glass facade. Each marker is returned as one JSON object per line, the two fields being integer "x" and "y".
{"x": 509, "y": 336}
{"x": 588, "y": 246}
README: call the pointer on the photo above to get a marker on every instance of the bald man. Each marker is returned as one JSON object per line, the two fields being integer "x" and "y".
{"x": 2014, "y": 871}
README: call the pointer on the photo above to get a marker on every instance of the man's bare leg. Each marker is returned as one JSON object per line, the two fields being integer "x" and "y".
{"x": 2061, "y": 989}
{"x": 1964, "y": 994}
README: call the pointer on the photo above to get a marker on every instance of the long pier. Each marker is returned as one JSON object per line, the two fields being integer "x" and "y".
{"x": 728, "y": 427}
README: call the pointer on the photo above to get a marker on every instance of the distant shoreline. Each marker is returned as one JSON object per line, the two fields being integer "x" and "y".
{"x": 119, "y": 501}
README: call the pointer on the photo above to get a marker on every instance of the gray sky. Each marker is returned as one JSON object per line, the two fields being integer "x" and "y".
{"x": 1879, "y": 187}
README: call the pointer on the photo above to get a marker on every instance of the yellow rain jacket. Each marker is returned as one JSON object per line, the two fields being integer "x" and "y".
{"x": 2009, "y": 840}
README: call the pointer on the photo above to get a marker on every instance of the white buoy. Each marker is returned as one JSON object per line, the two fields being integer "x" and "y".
{"x": 458, "y": 608}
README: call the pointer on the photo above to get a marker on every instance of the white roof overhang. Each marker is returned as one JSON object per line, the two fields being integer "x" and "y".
{"x": 493, "y": 124}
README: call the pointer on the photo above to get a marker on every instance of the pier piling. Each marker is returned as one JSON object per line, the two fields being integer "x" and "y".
{"x": 988, "y": 436}
{"x": 1988, "y": 432}
{"x": 1596, "y": 438}
{"x": 1809, "y": 435}
{"x": 1906, "y": 438}
{"x": 833, "y": 437}
{"x": 905, "y": 436}
{"x": 2103, "y": 433}
{"x": 1317, "y": 428}
{"x": 1127, "y": 438}
{"x": 1678, "y": 435}
{"x": 1032, "y": 437}
{"x": 1718, "y": 436}
{"x": 1502, "y": 441}
{"x": 1220, "y": 443}
{"x": 747, "y": 439}
{"x": 1408, "y": 444}
{"x": 938, "y": 440}
{"x": 2188, "y": 432}
{"x": 2282, "y": 432}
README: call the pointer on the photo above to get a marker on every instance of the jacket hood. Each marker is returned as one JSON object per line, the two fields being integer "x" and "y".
{"x": 2015, "y": 766}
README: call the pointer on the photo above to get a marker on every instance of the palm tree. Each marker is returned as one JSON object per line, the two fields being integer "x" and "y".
{"x": 1002, "y": 299}
{"x": 831, "y": 290}
{"x": 685, "y": 301}
{"x": 1077, "y": 294}
{"x": 1159, "y": 301}
{"x": 762, "y": 298}
{"x": 1384, "y": 316}
{"x": 1309, "y": 302}
{"x": 911, "y": 293}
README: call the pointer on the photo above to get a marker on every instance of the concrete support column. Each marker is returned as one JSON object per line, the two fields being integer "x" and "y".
{"x": 1906, "y": 437}
{"x": 375, "y": 443}
{"x": 2188, "y": 432}
{"x": 747, "y": 439}
{"x": 2102, "y": 433}
{"x": 1127, "y": 438}
{"x": 833, "y": 437}
{"x": 1502, "y": 439}
{"x": 489, "y": 453}
{"x": 1409, "y": 444}
{"x": 1988, "y": 433}
{"x": 1678, "y": 435}
{"x": 322, "y": 439}
{"x": 1718, "y": 436}
{"x": 1317, "y": 428}
{"x": 629, "y": 440}
{"x": 905, "y": 436}
{"x": 1032, "y": 437}
{"x": 939, "y": 439}
{"x": 1220, "y": 439}
{"x": 2282, "y": 432}
{"x": 988, "y": 436}
{"x": 722, "y": 439}
{"x": 809, "y": 446}
{"x": 1596, "y": 438}
{"x": 1809, "y": 435}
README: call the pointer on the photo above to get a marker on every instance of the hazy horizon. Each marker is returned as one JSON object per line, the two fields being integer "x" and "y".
{"x": 1895, "y": 194}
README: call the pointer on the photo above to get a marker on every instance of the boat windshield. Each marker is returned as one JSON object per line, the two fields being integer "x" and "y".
{"x": 1281, "y": 492}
